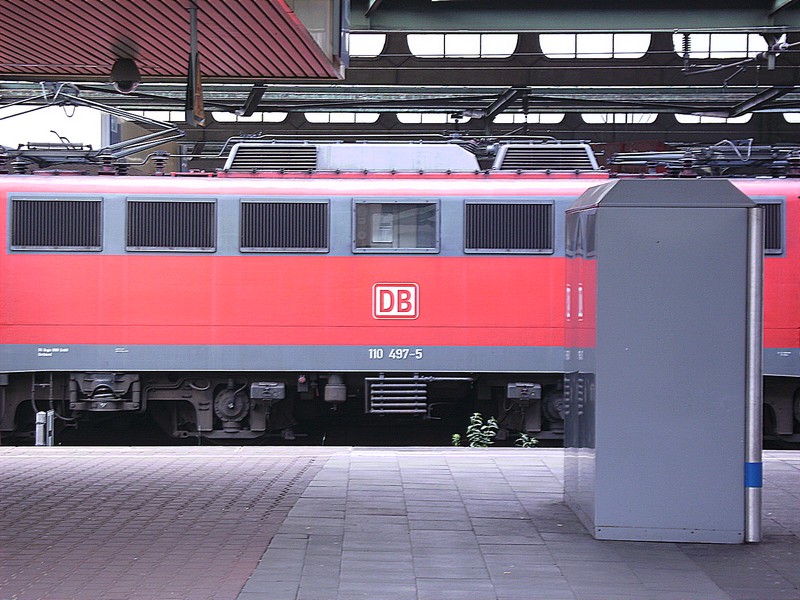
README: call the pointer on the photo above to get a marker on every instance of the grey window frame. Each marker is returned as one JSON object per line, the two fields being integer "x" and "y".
{"x": 511, "y": 202}
{"x": 279, "y": 249}
{"x": 97, "y": 200}
{"x": 172, "y": 200}
{"x": 780, "y": 202}
{"x": 435, "y": 202}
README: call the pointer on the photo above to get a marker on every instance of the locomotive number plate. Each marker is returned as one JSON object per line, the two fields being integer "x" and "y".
{"x": 395, "y": 353}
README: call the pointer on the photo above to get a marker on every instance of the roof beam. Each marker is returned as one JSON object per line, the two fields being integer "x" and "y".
{"x": 759, "y": 101}
{"x": 372, "y": 7}
{"x": 253, "y": 98}
{"x": 779, "y": 5}
{"x": 503, "y": 100}
{"x": 509, "y": 97}
{"x": 530, "y": 67}
{"x": 568, "y": 15}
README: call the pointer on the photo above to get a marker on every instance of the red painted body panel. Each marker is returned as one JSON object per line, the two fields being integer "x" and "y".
{"x": 279, "y": 300}
{"x": 377, "y": 184}
{"x": 781, "y": 274}
{"x": 490, "y": 300}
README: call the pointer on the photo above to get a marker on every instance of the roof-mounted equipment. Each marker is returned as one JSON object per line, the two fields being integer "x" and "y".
{"x": 249, "y": 157}
{"x": 547, "y": 156}
{"x": 725, "y": 158}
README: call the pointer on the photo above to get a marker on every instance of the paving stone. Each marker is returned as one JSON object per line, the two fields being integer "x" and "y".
{"x": 155, "y": 523}
{"x": 339, "y": 523}
{"x": 455, "y": 589}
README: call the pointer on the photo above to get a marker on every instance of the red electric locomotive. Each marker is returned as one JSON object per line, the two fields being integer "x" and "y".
{"x": 389, "y": 279}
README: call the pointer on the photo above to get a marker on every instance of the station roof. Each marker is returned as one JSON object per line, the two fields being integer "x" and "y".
{"x": 79, "y": 40}
{"x": 259, "y": 61}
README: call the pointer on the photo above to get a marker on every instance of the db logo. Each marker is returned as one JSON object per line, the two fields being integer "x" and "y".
{"x": 395, "y": 301}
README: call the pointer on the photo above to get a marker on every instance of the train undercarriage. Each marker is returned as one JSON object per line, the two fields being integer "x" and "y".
{"x": 273, "y": 407}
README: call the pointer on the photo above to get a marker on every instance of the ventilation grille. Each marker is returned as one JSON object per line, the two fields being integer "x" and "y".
{"x": 56, "y": 224}
{"x": 284, "y": 227}
{"x": 773, "y": 228}
{"x": 186, "y": 226}
{"x": 396, "y": 395}
{"x": 271, "y": 157}
{"x": 525, "y": 228}
{"x": 546, "y": 157}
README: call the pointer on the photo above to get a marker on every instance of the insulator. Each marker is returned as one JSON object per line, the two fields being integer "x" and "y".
{"x": 19, "y": 166}
{"x": 688, "y": 165}
{"x": 159, "y": 162}
{"x": 686, "y": 46}
{"x": 106, "y": 166}
{"x": 794, "y": 164}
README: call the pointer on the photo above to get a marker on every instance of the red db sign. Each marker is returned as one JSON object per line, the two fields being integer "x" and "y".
{"x": 395, "y": 301}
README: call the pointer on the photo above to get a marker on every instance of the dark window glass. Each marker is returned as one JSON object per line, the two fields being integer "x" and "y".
{"x": 396, "y": 226}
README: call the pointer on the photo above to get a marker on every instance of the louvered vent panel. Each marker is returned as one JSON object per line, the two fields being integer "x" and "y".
{"x": 156, "y": 225}
{"x": 284, "y": 227}
{"x": 56, "y": 224}
{"x": 773, "y": 228}
{"x": 396, "y": 396}
{"x": 524, "y": 228}
{"x": 556, "y": 157}
{"x": 271, "y": 157}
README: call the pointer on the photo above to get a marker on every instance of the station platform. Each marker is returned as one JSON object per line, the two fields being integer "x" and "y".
{"x": 329, "y": 523}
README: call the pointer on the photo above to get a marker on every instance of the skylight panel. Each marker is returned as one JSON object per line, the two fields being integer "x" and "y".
{"x": 341, "y": 117}
{"x": 700, "y": 46}
{"x": 530, "y": 118}
{"x": 429, "y": 118}
{"x": 462, "y": 45}
{"x": 256, "y": 117}
{"x": 694, "y": 119}
{"x": 594, "y": 45}
{"x": 367, "y": 45}
{"x": 619, "y": 118}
